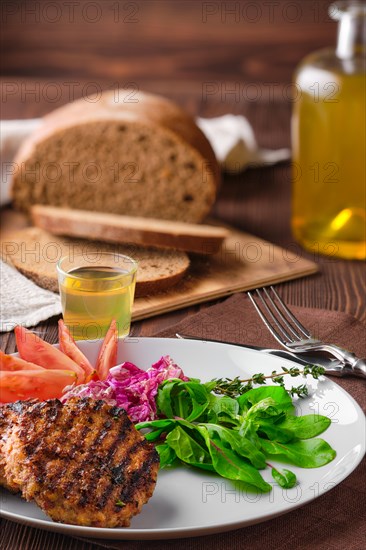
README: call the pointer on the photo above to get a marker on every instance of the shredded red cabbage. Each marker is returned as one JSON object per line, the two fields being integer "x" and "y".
{"x": 131, "y": 388}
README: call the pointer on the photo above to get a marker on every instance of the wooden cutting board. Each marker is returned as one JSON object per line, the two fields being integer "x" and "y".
{"x": 243, "y": 263}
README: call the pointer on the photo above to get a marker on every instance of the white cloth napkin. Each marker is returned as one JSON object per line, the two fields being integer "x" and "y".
{"x": 22, "y": 301}
{"x": 233, "y": 141}
{"x": 12, "y": 133}
{"x": 232, "y": 138}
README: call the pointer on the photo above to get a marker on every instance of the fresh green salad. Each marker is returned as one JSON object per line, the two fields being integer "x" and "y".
{"x": 227, "y": 426}
{"x": 235, "y": 436}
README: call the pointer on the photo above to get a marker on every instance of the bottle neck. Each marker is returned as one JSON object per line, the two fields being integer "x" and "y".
{"x": 351, "y": 36}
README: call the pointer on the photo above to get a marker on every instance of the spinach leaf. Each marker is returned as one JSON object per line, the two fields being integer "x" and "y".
{"x": 264, "y": 409}
{"x": 177, "y": 398}
{"x": 223, "y": 410}
{"x": 310, "y": 453}
{"x": 162, "y": 423}
{"x": 248, "y": 430}
{"x": 294, "y": 427}
{"x": 200, "y": 399}
{"x": 284, "y": 478}
{"x": 229, "y": 464}
{"x": 233, "y": 439}
{"x": 188, "y": 449}
{"x": 163, "y": 398}
{"x": 275, "y": 431}
{"x": 306, "y": 426}
{"x": 156, "y": 427}
{"x": 209, "y": 385}
{"x": 167, "y": 455}
{"x": 283, "y": 401}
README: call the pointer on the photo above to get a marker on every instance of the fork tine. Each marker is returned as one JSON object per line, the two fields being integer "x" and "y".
{"x": 279, "y": 337}
{"x": 277, "y": 320}
{"x": 280, "y": 314}
{"x": 291, "y": 315}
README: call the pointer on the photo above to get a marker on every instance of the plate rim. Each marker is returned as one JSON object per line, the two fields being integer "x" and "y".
{"x": 128, "y": 533}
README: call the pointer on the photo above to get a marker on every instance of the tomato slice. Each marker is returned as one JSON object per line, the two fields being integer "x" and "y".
{"x": 34, "y": 349}
{"x": 69, "y": 348}
{"x": 12, "y": 363}
{"x": 107, "y": 357}
{"x": 41, "y": 384}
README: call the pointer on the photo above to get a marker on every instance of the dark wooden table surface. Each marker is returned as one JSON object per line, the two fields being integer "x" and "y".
{"x": 181, "y": 63}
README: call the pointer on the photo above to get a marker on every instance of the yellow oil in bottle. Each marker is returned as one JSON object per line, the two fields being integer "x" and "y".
{"x": 329, "y": 147}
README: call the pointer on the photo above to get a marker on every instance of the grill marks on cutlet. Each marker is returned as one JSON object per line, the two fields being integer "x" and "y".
{"x": 88, "y": 435}
{"x": 94, "y": 461}
{"x": 120, "y": 472}
{"x": 74, "y": 433}
{"x": 131, "y": 475}
{"x": 35, "y": 426}
{"x": 109, "y": 468}
{"x": 79, "y": 459}
{"x": 99, "y": 473}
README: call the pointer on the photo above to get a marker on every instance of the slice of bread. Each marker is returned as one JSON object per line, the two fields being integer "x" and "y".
{"x": 202, "y": 239}
{"x": 127, "y": 153}
{"x": 35, "y": 253}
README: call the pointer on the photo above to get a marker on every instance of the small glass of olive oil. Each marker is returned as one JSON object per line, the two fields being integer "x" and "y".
{"x": 94, "y": 290}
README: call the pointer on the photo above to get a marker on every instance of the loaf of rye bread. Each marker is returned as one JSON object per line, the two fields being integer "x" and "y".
{"x": 128, "y": 153}
{"x": 35, "y": 253}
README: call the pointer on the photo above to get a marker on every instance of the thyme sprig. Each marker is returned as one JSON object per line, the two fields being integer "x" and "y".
{"x": 236, "y": 386}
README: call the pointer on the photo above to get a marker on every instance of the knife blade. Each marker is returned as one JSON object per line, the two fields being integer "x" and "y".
{"x": 333, "y": 367}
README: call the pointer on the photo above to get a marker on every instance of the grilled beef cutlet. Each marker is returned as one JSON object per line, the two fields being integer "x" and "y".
{"x": 82, "y": 462}
{"x": 8, "y": 420}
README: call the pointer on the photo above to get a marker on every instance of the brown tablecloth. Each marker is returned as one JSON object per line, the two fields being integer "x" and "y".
{"x": 337, "y": 519}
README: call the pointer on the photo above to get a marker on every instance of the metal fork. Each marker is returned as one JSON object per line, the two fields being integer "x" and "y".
{"x": 293, "y": 336}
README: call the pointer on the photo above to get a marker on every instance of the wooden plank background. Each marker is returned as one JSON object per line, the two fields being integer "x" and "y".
{"x": 211, "y": 57}
{"x": 57, "y": 51}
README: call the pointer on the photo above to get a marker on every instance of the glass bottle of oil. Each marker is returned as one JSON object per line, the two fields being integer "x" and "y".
{"x": 329, "y": 148}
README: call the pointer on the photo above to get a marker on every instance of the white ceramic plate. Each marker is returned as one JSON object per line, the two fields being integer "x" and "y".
{"x": 192, "y": 503}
